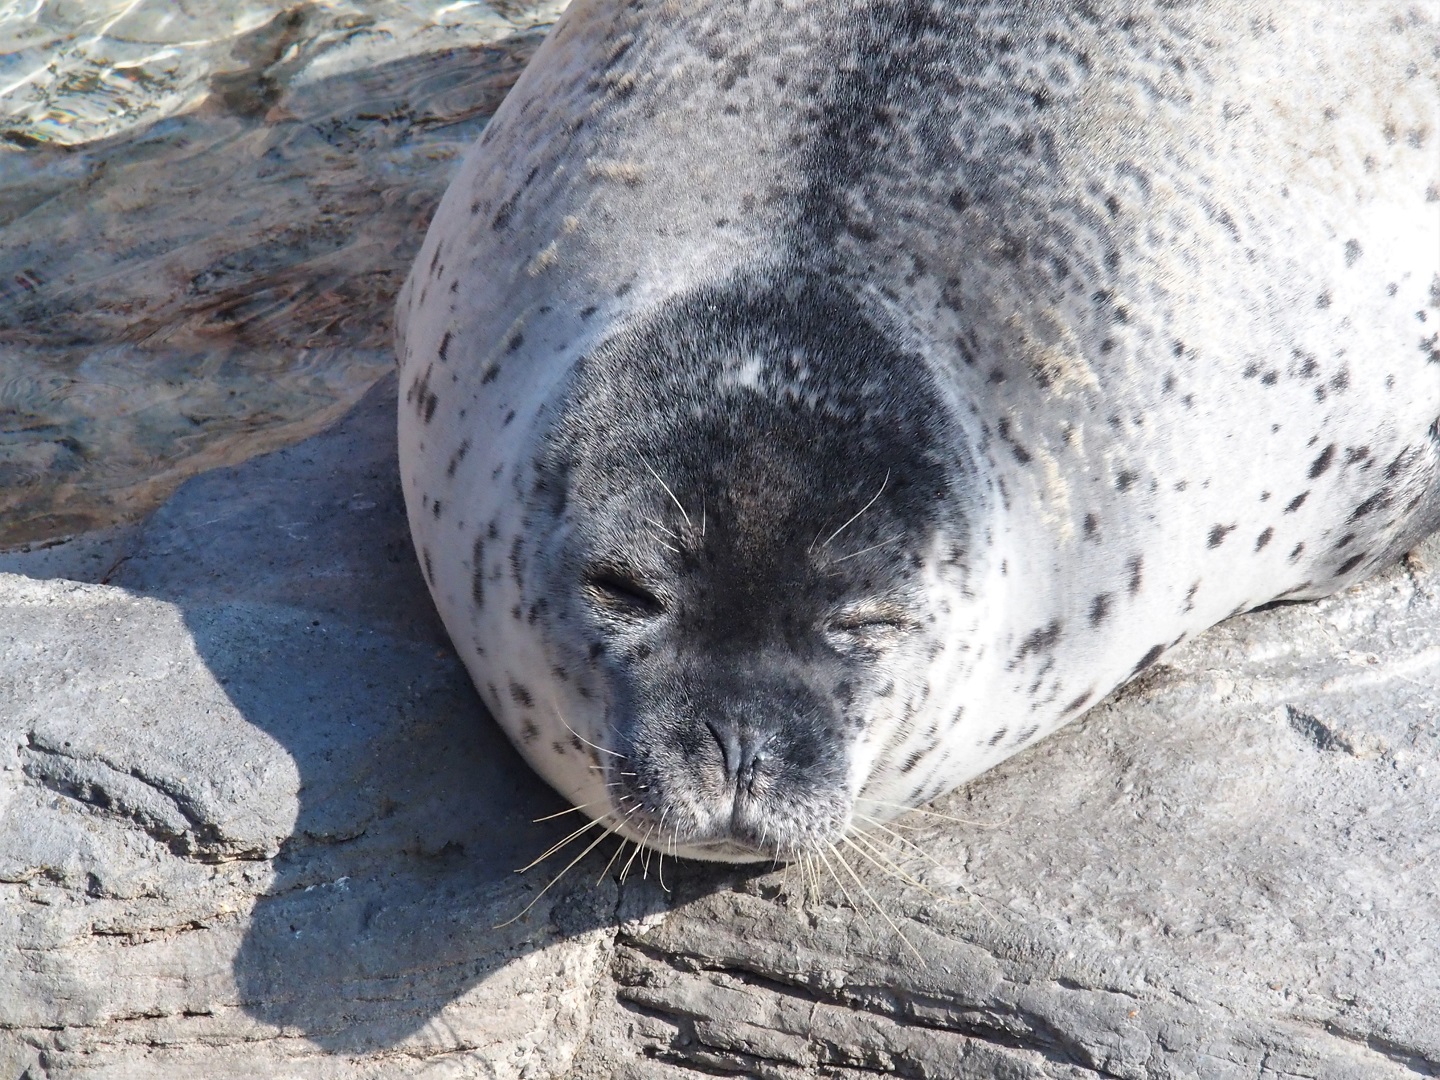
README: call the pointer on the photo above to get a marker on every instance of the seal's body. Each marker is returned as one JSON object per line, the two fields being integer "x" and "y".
{"x": 807, "y": 405}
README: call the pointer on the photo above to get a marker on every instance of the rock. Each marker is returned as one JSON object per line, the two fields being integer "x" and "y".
{"x": 253, "y": 821}
{"x": 205, "y": 269}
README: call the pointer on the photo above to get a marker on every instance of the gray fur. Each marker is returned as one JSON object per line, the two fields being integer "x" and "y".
{"x": 1108, "y": 321}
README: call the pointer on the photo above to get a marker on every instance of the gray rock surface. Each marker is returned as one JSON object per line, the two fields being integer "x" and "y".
{"x": 253, "y": 822}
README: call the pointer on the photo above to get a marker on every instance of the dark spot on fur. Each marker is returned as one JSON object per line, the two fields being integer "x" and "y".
{"x": 514, "y": 344}
{"x": 528, "y": 731}
{"x": 1040, "y": 640}
{"x": 1136, "y": 567}
{"x": 1021, "y": 454}
{"x": 998, "y": 736}
{"x": 1190, "y": 597}
{"x": 1297, "y": 502}
{"x": 520, "y": 694}
{"x": 1350, "y": 564}
{"x": 1352, "y": 252}
{"x": 1344, "y": 541}
{"x": 1217, "y": 535}
{"x": 1092, "y": 527}
{"x": 1321, "y": 463}
{"x": 1148, "y": 659}
{"x": 477, "y": 572}
{"x": 913, "y": 760}
{"x": 1124, "y": 481}
{"x": 502, "y": 216}
{"x": 1370, "y": 505}
{"x": 457, "y": 457}
{"x": 1079, "y": 701}
{"x": 1263, "y": 539}
{"x": 445, "y": 346}
{"x": 1099, "y": 609}
{"x": 1295, "y": 555}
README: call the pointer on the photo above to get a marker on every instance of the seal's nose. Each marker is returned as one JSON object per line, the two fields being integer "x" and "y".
{"x": 741, "y": 755}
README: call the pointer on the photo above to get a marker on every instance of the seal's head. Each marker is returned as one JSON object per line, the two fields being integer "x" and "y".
{"x": 741, "y": 508}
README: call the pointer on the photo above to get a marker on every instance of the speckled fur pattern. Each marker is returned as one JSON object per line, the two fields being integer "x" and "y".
{"x": 807, "y": 405}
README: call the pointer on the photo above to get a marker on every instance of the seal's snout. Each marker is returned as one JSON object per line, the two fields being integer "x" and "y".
{"x": 762, "y": 774}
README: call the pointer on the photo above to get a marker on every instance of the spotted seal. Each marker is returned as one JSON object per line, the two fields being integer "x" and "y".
{"x": 808, "y": 404}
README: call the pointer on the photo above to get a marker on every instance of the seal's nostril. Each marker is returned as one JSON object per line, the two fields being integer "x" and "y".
{"x": 750, "y": 769}
{"x": 740, "y": 754}
{"x": 730, "y": 753}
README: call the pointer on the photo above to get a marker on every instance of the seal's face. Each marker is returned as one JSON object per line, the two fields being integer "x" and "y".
{"x": 744, "y": 577}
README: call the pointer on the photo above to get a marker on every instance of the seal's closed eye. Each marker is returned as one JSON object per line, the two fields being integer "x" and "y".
{"x": 869, "y": 626}
{"x": 619, "y": 593}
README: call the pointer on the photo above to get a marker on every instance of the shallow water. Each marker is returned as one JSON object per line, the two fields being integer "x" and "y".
{"x": 206, "y": 209}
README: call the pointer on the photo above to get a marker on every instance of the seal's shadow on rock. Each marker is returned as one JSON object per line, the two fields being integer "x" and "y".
{"x": 296, "y": 577}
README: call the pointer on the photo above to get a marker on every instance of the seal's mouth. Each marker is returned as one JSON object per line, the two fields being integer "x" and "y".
{"x": 769, "y": 815}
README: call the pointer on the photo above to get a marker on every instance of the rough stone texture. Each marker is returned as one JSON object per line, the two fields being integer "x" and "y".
{"x": 254, "y": 822}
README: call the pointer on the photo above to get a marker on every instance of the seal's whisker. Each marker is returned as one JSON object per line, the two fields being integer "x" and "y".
{"x": 935, "y": 813}
{"x": 664, "y": 529}
{"x": 912, "y": 846}
{"x": 561, "y": 717}
{"x": 859, "y": 512}
{"x": 892, "y": 831}
{"x": 881, "y": 858}
{"x": 905, "y": 843}
{"x": 871, "y": 897}
{"x": 625, "y": 870}
{"x": 812, "y": 877}
{"x": 553, "y": 848}
{"x": 668, "y": 491}
{"x": 618, "y": 849}
{"x": 840, "y": 884}
{"x": 562, "y": 813}
{"x": 665, "y": 544}
{"x": 865, "y": 550}
{"x": 610, "y": 831}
